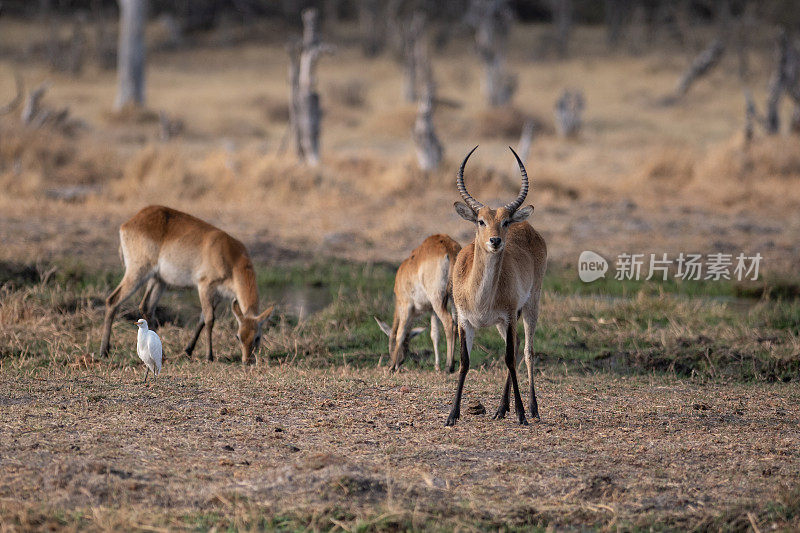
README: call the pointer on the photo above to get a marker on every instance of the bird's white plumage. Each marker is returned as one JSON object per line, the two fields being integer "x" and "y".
{"x": 148, "y": 347}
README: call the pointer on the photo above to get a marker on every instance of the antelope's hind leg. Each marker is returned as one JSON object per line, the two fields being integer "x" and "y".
{"x": 435, "y": 340}
{"x": 530, "y": 317}
{"x": 152, "y": 294}
{"x": 450, "y": 334}
{"x": 134, "y": 278}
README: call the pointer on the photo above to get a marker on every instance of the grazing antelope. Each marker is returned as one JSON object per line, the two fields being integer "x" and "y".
{"x": 497, "y": 278}
{"x": 423, "y": 284}
{"x": 164, "y": 247}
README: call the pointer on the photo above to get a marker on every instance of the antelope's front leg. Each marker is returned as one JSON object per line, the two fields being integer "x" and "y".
{"x": 466, "y": 334}
{"x": 502, "y": 409}
{"x": 207, "y": 304}
{"x": 511, "y": 363}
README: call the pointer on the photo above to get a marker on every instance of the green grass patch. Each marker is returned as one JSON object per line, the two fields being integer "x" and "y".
{"x": 325, "y": 316}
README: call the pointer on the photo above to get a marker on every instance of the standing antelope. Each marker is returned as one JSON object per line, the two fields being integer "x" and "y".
{"x": 422, "y": 284}
{"x": 497, "y": 278}
{"x": 161, "y": 246}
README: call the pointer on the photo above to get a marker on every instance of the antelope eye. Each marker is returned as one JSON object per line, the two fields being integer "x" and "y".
{"x": 481, "y": 223}
{"x": 506, "y": 222}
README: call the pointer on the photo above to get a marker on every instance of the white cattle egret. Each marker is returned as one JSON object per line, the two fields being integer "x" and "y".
{"x": 148, "y": 347}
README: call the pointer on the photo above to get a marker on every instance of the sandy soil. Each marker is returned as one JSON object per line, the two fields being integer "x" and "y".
{"x": 608, "y": 449}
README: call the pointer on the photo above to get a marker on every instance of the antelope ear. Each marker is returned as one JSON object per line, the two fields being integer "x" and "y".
{"x": 414, "y": 332}
{"x": 465, "y": 211}
{"x": 265, "y": 315}
{"x": 237, "y": 311}
{"x": 521, "y": 214}
{"x": 384, "y": 326}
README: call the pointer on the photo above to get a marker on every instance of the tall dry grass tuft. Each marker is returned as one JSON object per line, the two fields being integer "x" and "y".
{"x": 33, "y": 160}
{"x": 406, "y": 180}
{"x": 504, "y": 122}
{"x": 669, "y": 168}
{"x": 393, "y": 123}
{"x": 161, "y": 169}
{"x": 766, "y": 172}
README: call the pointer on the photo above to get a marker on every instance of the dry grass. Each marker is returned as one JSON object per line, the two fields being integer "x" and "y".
{"x": 213, "y": 446}
{"x": 660, "y": 410}
{"x": 663, "y": 161}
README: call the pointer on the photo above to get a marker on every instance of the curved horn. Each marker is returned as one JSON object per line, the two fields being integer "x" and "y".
{"x": 471, "y": 202}
{"x": 9, "y": 107}
{"x": 523, "y": 191}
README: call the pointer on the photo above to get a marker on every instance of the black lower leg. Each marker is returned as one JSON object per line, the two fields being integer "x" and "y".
{"x": 534, "y": 404}
{"x": 502, "y": 410}
{"x": 455, "y": 412}
{"x": 195, "y": 335}
{"x": 511, "y": 363}
{"x": 209, "y": 336}
{"x": 107, "y": 324}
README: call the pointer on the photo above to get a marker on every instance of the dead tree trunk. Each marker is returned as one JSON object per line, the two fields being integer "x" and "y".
{"x": 615, "y": 18}
{"x": 12, "y": 105}
{"x": 416, "y": 55}
{"x": 562, "y": 23}
{"x": 332, "y": 11}
{"x": 305, "y": 113}
{"x": 429, "y": 149}
{"x": 702, "y": 64}
{"x": 785, "y": 79}
{"x": 104, "y": 48}
{"x": 730, "y": 32}
{"x": 525, "y": 140}
{"x": 294, "y": 49}
{"x": 76, "y": 51}
{"x": 492, "y": 22}
{"x": 524, "y": 145}
{"x": 33, "y": 105}
{"x": 569, "y": 113}
{"x": 372, "y": 25}
{"x": 131, "y": 53}
{"x": 750, "y": 117}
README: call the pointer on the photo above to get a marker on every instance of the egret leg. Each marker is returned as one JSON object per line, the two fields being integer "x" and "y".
{"x": 146, "y": 372}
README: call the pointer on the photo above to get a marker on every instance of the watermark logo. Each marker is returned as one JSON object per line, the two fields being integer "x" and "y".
{"x": 591, "y": 266}
{"x": 713, "y": 267}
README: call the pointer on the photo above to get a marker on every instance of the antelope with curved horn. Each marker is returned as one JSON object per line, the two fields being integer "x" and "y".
{"x": 423, "y": 284}
{"x": 165, "y": 247}
{"x": 496, "y": 279}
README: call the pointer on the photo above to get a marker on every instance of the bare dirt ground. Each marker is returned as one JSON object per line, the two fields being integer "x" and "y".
{"x": 343, "y": 447}
{"x": 296, "y": 447}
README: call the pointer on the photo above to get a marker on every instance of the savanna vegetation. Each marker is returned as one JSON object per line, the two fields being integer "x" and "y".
{"x": 666, "y": 405}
